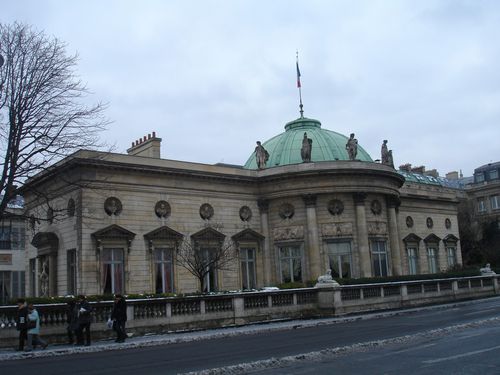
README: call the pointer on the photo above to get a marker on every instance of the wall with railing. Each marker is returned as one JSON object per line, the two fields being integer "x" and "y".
{"x": 157, "y": 315}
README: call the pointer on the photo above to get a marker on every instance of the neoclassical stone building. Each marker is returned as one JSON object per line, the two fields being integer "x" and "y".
{"x": 115, "y": 222}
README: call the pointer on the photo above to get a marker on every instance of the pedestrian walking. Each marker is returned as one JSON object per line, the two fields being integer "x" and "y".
{"x": 22, "y": 322}
{"x": 119, "y": 317}
{"x": 72, "y": 320}
{"x": 84, "y": 319}
{"x": 34, "y": 338}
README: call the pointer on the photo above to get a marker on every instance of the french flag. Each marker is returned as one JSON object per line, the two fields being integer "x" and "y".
{"x": 298, "y": 75}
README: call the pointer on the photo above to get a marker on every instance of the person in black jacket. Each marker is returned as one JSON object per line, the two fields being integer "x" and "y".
{"x": 119, "y": 317}
{"x": 84, "y": 319}
{"x": 72, "y": 319}
{"x": 22, "y": 322}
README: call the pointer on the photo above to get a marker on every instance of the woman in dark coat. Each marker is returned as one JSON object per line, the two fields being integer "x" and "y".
{"x": 119, "y": 317}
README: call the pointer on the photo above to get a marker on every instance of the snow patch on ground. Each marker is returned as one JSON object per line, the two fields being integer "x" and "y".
{"x": 328, "y": 354}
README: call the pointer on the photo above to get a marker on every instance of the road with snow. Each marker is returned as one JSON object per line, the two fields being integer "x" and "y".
{"x": 453, "y": 339}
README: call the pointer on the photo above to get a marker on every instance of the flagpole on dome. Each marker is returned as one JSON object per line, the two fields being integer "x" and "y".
{"x": 299, "y": 86}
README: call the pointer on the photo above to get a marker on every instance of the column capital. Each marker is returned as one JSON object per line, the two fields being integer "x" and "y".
{"x": 359, "y": 198}
{"x": 393, "y": 201}
{"x": 263, "y": 205}
{"x": 310, "y": 200}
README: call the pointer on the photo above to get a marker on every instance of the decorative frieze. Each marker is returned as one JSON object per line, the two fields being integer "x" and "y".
{"x": 377, "y": 228}
{"x": 288, "y": 233}
{"x": 336, "y": 229}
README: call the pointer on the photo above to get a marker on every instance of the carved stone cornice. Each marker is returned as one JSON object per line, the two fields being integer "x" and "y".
{"x": 377, "y": 228}
{"x": 393, "y": 201}
{"x": 336, "y": 230}
{"x": 288, "y": 233}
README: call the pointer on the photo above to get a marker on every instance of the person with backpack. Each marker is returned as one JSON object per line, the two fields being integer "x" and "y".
{"x": 119, "y": 317}
{"x": 84, "y": 311}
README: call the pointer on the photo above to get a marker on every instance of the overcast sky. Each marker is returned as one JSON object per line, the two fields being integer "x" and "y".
{"x": 213, "y": 77}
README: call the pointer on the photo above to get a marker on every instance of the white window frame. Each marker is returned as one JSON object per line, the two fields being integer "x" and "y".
{"x": 495, "y": 202}
{"x": 166, "y": 259}
{"x": 451, "y": 255}
{"x": 378, "y": 253}
{"x": 114, "y": 263}
{"x": 247, "y": 262}
{"x": 340, "y": 255}
{"x": 481, "y": 205}
{"x": 413, "y": 261}
{"x": 289, "y": 258}
{"x": 432, "y": 258}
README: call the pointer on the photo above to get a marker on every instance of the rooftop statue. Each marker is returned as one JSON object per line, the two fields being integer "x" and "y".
{"x": 305, "y": 151}
{"x": 352, "y": 147}
{"x": 261, "y": 156}
{"x": 384, "y": 153}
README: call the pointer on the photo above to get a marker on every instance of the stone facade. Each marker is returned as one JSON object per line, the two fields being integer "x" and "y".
{"x": 288, "y": 223}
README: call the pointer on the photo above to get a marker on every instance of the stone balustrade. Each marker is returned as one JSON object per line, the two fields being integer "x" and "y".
{"x": 157, "y": 315}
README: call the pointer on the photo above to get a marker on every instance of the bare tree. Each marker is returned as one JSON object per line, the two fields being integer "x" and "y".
{"x": 43, "y": 117}
{"x": 205, "y": 260}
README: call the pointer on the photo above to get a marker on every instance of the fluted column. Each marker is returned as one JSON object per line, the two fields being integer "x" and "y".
{"x": 362, "y": 231}
{"x": 266, "y": 251}
{"x": 392, "y": 203}
{"x": 312, "y": 237}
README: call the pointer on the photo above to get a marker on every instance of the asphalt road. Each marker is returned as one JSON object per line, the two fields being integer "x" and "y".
{"x": 415, "y": 354}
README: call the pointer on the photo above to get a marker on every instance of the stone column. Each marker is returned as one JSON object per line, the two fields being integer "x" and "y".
{"x": 362, "y": 237}
{"x": 313, "y": 248}
{"x": 392, "y": 203}
{"x": 266, "y": 251}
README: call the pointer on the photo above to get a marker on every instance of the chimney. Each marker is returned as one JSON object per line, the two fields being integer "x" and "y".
{"x": 432, "y": 172}
{"x": 419, "y": 170}
{"x": 452, "y": 175}
{"x": 147, "y": 146}
{"x": 405, "y": 167}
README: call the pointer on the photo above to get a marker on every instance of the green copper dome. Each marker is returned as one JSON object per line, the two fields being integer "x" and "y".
{"x": 285, "y": 148}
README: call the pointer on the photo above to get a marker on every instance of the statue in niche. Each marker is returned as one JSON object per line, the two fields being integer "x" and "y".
{"x": 384, "y": 153}
{"x": 162, "y": 209}
{"x": 113, "y": 206}
{"x": 352, "y": 147}
{"x": 44, "y": 278}
{"x": 305, "y": 151}
{"x": 261, "y": 156}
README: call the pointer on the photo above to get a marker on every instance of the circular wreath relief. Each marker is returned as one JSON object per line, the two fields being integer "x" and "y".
{"x": 162, "y": 209}
{"x": 447, "y": 223}
{"x": 376, "y": 207}
{"x": 245, "y": 213}
{"x": 429, "y": 222}
{"x": 206, "y": 211}
{"x": 335, "y": 207}
{"x": 409, "y": 221}
{"x": 287, "y": 211}
{"x": 113, "y": 206}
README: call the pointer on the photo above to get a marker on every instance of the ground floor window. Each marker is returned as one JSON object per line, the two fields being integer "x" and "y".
{"x": 340, "y": 257}
{"x": 379, "y": 258}
{"x": 290, "y": 263}
{"x": 164, "y": 270}
{"x": 412, "y": 254}
{"x": 451, "y": 255}
{"x": 211, "y": 279}
{"x": 113, "y": 271}
{"x": 5, "y": 292}
{"x": 432, "y": 259}
{"x": 247, "y": 257}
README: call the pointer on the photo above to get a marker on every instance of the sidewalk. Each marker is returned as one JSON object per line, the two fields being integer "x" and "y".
{"x": 178, "y": 337}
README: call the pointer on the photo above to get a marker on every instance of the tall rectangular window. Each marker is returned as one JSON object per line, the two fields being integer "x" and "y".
{"x": 493, "y": 174}
{"x": 5, "y": 287}
{"x": 164, "y": 270}
{"x": 412, "y": 260}
{"x": 112, "y": 275}
{"x": 451, "y": 255}
{"x": 432, "y": 259}
{"x": 32, "y": 277}
{"x": 211, "y": 280}
{"x": 5, "y": 235}
{"x": 71, "y": 271}
{"x": 290, "y": 264}
{"x": 339, "y": 254}
{"x": 17, "y": 238}
{"x": 481, "y": 206}
{"x": 18, "y": 284}
{"x": 247, "y": 256}
{"x": 479, "y": 177}
{"x": 379, "y": 258}
{"x": 495, "y": 202}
